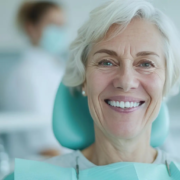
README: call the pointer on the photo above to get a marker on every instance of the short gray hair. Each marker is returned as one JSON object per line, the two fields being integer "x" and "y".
{"x": 122, "y": 12}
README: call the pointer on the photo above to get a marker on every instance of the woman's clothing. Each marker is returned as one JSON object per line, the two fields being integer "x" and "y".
{"x": 70, "y": 160}
{"x": 35, "y": 170}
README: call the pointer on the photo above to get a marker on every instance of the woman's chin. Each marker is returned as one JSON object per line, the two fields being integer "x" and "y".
{"x": 124, "y": 130}
{"x": 125, "y": 125}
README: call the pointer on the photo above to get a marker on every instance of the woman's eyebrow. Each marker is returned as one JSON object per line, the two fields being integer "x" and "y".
{"x": 146, "y": 53}
{"x": 113, "y": 53}
{"x": 110, "y": 52}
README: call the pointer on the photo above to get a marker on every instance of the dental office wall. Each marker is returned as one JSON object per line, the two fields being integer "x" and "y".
{"x": 12, "y": 43}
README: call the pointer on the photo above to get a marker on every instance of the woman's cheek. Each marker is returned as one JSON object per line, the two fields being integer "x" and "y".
{"x": 96, "y": 81}
{"x": 154, "y": 85}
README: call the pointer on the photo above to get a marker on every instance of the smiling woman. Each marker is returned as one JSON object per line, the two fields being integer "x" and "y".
{"x": 125, "y": 59}
{"x": 127, "y": 69}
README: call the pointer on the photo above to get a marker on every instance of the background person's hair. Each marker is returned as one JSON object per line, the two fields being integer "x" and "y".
{"x": 33, "y": 12}
{"x": 122, "y": 12}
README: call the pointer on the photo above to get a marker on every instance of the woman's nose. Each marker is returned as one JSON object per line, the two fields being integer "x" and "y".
{"x": 126, "y": 79}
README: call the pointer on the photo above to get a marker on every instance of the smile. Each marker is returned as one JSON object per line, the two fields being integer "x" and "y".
{"x": 124, "y": 104}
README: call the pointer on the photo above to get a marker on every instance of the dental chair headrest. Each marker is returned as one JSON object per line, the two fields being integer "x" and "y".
{"x": 73, "y": 125}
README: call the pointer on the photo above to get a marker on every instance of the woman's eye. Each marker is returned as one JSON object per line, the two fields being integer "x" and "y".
{"x": 105, "y": 63}
{"x": 146, "y": 65}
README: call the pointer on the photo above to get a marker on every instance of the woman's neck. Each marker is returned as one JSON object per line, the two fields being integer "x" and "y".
{"x": 104, "y": 152}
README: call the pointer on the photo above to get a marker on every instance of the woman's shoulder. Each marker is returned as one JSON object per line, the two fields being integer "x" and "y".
{"x": 165, "y": 156}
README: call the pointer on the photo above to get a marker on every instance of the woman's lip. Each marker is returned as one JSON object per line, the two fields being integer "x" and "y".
{"x": 124, "y": 99}
{"x": 128, "y": 110}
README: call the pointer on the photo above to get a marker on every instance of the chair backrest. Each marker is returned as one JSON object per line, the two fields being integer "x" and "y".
{"x": 73, "y": 125}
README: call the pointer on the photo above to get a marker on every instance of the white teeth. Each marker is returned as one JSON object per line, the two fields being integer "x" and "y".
{"x": 127, "y": 104}
{"x": 123, "y": 104}
{"x": 118, "y": 104}
{"x": 114, "y": 103}
{"x": 132, "y": 104}
{"x": 135, "y": 104}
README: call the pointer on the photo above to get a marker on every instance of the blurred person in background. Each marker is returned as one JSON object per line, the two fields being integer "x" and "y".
{"x": 32, "y": 86}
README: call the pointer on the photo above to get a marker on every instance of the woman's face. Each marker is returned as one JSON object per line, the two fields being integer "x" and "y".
{"x": 125, "y": 77}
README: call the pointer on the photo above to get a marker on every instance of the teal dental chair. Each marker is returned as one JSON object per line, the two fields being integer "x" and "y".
{"x": 73, "y": 125}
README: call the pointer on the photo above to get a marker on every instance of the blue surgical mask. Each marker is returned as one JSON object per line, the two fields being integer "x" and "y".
{"x": 54, "y": 40}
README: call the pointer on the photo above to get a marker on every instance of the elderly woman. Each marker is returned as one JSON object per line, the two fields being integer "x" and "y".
{"x": 126, "y": 60}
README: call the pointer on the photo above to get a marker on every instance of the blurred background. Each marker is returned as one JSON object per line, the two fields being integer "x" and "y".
{"x": 32, "y": 63}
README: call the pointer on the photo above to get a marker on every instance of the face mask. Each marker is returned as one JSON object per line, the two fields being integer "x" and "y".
{"x": 26, "y": 169}
{"x": 54, "y": 40}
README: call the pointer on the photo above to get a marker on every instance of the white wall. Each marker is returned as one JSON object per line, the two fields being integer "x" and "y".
{"x": 171, "y": 8}
{"x": 9, "y": 38}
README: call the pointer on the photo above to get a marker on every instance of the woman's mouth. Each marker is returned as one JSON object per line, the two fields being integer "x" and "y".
{"x": 124, "y": 106}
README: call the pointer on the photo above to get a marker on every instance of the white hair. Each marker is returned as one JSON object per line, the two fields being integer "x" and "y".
{"x": 122, "y": 12}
